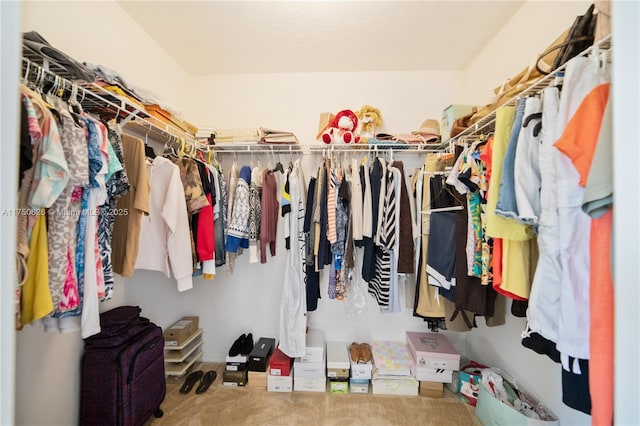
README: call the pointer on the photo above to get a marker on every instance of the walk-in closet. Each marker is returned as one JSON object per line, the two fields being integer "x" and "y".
{"x": 284, "y": 205}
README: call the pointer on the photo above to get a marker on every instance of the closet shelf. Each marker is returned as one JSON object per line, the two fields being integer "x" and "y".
{"x": 487, "y": 123}
{"x": 37, "y": 71}
{"x": 250, "y": 148}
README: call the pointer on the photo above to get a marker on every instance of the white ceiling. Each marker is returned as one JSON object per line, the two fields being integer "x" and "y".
{"x": 231, "y": 37}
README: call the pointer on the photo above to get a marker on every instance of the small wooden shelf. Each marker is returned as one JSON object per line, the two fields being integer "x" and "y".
{"x": 178, "y": 369}
{"x": 178, "y": 359}
{"x": 180, "y": 356}
{"x": 186, "y": 342}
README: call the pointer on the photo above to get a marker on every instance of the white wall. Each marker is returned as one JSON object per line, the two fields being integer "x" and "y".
{"x": 294, "y": 101}
{"x": 249, "y": 300}
{"x": 514, "y": 47}
{"x": 102, "y": 33}
{"x": 48, "y": 366}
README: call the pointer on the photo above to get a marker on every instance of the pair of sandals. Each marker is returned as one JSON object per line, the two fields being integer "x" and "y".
{"x": 205, "y": 380}
{"x": 360, "y": 352}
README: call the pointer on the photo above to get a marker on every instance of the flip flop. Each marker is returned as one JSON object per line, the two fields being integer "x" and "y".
{"x": 208, "y": 378}
{"x": 190, "y": 381}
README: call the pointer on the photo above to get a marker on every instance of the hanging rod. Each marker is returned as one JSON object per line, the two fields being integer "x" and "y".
{"x": 308, "y": 148}
{"x": 488, "y": 121}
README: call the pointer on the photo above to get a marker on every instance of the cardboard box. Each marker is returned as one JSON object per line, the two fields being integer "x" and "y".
{"x": 359, "y": 386}
{"x": 257, "y": 379}
{"x": 179, "y": 332}
{"x": 451, "y": 114}
{"x": 309, "y": 384}
{"x": 432, "y": 350}
{"x": 361, "y": 371}
{"x": 431, "y": 389}
{"x": 491, "y": 411}
{"x": 339, "y": 386}
{"x": 315, "y": 370}
{"x": 314, "y": 349}
{"x": 407, "y": 386}
{"x": 280, "y": 383}
{"x": 280, "y": 364}
{"x": 326, "y": 118}
{"x": 259, "y": 356}
{"x": 234, "y": 378}
{"x": 434, "y": 375}
{"x": 337, "y": 356}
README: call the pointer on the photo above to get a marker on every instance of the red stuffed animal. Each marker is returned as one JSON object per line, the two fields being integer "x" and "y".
{"x": 342, "y": 129}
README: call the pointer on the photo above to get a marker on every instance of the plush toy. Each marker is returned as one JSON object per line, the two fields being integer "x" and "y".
{"x": 343, "y": 128}
{"x": 370, "y": 118}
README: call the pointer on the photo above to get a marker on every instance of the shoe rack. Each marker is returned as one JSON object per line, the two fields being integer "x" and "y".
{"x": 178, "y": 359}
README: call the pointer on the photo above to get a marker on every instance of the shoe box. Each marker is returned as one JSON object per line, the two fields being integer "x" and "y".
{"x": 361, "y": 371}
{"x": 309, "y": 384}
{"x": 280, "y": 364}
{"x": 179, "y": 332}
{"x": 394, "y": 385}
{"x": 314, "y": 348}
{"x": 432, "y": 350}
{"x": 257, "y": 379}
{"x": 279, "y": 383}
{"x": 311, "y": 370}
{"x": 431, "y": 389}
{"x": 337, "y": 360}
{"x": 439, "y": 375}
{"x": 236, "y": 363}
{"x": 338, "y": 385}
{"x": 234, "y": 378}
{"x": 359, "y": 385}
{"x": 259, "y": 356}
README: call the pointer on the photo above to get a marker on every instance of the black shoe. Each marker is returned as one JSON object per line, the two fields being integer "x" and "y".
{"x": 247, "y": 345}
{"x": 190, "y": 381}
{"x": 237, "y": 345}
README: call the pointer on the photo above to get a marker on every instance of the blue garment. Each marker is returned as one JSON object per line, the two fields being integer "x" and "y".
{"x": 507, "y": 206}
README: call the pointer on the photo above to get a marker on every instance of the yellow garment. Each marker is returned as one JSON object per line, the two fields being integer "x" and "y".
{"x": 498, "y": 226}
{"x": 429, "y": 302}
{"x": 36, "y": 299}
{"x": 519, "y": 260}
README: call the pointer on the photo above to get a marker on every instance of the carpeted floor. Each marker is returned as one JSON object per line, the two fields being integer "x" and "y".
{"x": 252, "y": 406}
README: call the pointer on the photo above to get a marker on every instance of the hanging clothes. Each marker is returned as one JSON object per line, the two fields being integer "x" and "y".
{"x": 238, "y": 233}
{"x": 164, "y": 234}
{"x": 312, "y": 276}
{"x": 405, "y": 252}
{"x": 269, "y": 215}
{"x": 292, "y": 324}
{"x": 255, "y": 202}
{"x": 126, "y": 228}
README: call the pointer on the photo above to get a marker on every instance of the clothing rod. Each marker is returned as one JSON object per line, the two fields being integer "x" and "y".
{"x": 313, "y": 149}
{"x": 443, "y": 209}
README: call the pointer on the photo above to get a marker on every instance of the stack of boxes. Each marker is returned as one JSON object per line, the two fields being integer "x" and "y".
{"x": 393, "y": 372}
{"x": 258, "y": 362}
{"x": 280, "y": 378}
{"x": 435, "y": 359}
{"x": 235, "y": 373}
{"x": 338, "y": 367}
{"x": 309, "y": 370}
{"x": 360, "y": 376}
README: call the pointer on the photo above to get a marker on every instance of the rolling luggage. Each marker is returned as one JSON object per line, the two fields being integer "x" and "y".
{"x": 123, "y": 378}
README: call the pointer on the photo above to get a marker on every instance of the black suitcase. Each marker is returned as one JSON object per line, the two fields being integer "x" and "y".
{"x": 123, "y": 378}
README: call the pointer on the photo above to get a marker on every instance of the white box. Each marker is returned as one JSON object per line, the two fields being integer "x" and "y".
{"x": 434, "y": 375}
{"x": 240, "y": 359}
{"x": 279, "y": 383}
{"x": 394, "y": 386}
{"x": 314, "y": 370}
{"x": 309, "y": 384}
{"x": 361, "y": 371}
{"x": 359, "y": 386}
{"x": 337, "y": 356}
{"x": 314, "y": 349}
{"x": 432, "y": 350}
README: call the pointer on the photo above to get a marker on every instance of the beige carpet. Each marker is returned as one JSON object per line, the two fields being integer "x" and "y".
{"x": 252, "y": 406}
